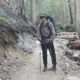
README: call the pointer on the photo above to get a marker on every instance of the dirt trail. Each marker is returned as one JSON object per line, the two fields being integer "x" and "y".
{"x": 31, "y": 71}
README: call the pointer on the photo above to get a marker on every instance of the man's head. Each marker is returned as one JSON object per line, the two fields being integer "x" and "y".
{"x": 43, "y": 18}
{"x": 38, "y": 20}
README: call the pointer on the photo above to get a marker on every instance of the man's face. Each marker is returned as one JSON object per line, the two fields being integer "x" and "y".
{"x": 40, "y": 21}
{"x": 43, "y": 19}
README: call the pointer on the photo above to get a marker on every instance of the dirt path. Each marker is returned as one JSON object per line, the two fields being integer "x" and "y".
{"x": 32, "y": 71}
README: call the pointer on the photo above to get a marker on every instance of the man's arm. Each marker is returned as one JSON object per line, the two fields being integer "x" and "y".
{"x": 52, "y": 30}
{"x": 38, "y": 33}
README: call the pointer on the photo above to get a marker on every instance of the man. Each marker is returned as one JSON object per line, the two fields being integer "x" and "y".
{"x": 46, "y": 36}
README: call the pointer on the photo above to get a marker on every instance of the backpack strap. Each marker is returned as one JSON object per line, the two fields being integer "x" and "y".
{"x": 48, "y": 26}
{"x": 49, "y": 30}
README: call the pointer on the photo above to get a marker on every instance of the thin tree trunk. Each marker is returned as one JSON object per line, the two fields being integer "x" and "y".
{"x": 75, "y": 12}
{"x": 70, "y": 12}
{"x": 20, "y": 7}
{"x": 32, "y": 10}
{"x": 78, "y": 16}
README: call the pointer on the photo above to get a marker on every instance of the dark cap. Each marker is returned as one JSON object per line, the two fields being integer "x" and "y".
{"x": 42, "y": 16}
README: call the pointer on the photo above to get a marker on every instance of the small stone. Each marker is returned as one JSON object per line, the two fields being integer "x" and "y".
{"x": 76, "y": 54}
{"x": 72, "y": 78}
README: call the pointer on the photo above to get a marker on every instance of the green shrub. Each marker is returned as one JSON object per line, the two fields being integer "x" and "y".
{"x": 4, "y": 19}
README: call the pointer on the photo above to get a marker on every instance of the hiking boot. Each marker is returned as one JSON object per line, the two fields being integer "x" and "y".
{"x": 53, "y": 68}
{"x": 45, "y": 69}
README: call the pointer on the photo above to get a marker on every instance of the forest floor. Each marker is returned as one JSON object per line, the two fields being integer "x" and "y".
{"x": 32, "y": 70}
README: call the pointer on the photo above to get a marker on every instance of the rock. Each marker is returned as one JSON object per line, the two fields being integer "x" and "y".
{"x": 76, "y": 54}
{"x": 73, "y": 54}
{"x": 72, "y": 78}
{"x": 69, "y": 53}
{"x": 26, "y": 43}
{"x": 78, "y": 63}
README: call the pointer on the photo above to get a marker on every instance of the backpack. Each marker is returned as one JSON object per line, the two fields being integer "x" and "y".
{"x": 42, "y": 31}
{"x": 51, "y": 19}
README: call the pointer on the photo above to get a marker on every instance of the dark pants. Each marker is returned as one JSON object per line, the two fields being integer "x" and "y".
{"x": 49, "y": 46}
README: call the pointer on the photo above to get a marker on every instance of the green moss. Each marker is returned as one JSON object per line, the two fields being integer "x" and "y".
{"x": 4, "y": 19}
{"x": 5, "y": 35}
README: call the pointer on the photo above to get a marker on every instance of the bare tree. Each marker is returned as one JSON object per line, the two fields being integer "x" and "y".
{"x": 32, "y": 10}
{"x": 70, "y": 11}
{"x": 20, "y": 7}
{"x": 75, "y": 12}
{"x": 78, "y": 16}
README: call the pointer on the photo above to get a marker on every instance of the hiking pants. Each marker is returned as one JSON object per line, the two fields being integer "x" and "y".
{"x": 51, "y": 49}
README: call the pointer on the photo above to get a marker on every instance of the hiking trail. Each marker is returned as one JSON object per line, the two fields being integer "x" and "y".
{"x": 31, "y": 70}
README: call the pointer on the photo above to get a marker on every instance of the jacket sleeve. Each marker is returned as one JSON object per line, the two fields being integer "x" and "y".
{"x": 52, "y": 29}
{"x": 38, "y": 33}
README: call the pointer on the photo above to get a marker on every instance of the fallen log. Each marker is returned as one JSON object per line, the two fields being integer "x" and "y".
{"x": 73, "y": 55}
{"x": 68, "y": 35}
{"x": 73, "y": 39}
{"x": 74, "y": 44}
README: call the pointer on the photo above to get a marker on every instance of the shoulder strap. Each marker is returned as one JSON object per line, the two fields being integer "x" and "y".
{"x": 48, "y": 25}
{"x": 40, "y": 28}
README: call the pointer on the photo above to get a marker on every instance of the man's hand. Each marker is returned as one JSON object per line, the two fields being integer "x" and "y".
{"x": 51, "y": 39}
{"x": 39, "y": 38}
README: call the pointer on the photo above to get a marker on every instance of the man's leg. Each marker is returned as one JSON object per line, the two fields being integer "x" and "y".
{"x": 53, "y": 55}
{"x": 44, "y": 51}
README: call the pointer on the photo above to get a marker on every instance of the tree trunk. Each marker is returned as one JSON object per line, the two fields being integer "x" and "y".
{"x": 70, "y": 12}
{"x": 78, "y": 16}
{"x": 75, "y": 12}
{"x": 20, "y": 7}
{"x": 32, "y": 10}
